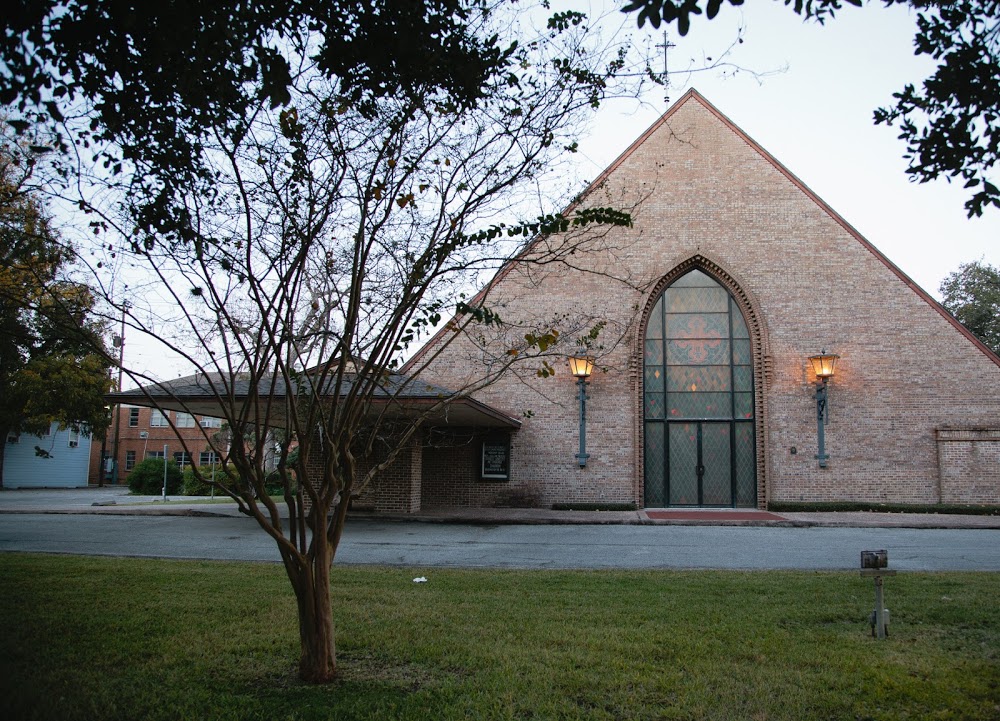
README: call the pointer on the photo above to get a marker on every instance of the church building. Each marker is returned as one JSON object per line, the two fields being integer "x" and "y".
{"x": 707, "y": 322}
{"x": 738, "y": 344}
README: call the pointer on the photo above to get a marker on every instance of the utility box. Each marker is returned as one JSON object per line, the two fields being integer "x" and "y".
{"x": 874, "y": 559}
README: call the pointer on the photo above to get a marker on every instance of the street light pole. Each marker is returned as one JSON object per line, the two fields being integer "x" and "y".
{"x": 581, "y": 365}
{"x": 119, "y": 342}
{"x": 582, "y": 456}
{"x": 823, "y": 366}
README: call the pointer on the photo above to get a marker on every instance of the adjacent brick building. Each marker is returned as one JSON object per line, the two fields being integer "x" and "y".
{"x": 144, "y": 433}
{"x": 704, "y": 396}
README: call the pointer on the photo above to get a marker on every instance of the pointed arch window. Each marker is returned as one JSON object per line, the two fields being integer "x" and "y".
{"x": 698, "y": 398}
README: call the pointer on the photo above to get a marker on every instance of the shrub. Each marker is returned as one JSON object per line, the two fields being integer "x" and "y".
{"x": 227, "y": 475}
{"x": 874, "y": 507}
{"x": 147, "y": 477}
{"x": 593, "y": 506}
{"x": 195, "y": 487}
{"x": 273, "y": 485}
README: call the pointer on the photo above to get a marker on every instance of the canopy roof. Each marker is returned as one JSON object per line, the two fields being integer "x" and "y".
{"x": 398, "y": 396}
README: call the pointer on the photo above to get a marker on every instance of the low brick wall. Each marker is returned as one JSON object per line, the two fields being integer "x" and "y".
{"x": 969, "y": 464}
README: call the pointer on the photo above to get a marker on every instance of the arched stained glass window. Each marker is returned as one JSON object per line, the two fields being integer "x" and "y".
{"x": 698, "y": 398}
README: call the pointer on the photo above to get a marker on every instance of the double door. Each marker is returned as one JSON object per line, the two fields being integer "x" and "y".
{"x": 699, "y": 463}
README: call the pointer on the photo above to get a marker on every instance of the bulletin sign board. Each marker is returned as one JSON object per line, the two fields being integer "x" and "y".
{"x": 494, "y": 459}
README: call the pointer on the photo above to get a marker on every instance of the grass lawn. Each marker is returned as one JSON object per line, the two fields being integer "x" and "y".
{"x": 102, "y": 638}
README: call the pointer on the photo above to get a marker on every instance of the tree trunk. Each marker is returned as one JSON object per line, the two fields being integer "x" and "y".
{"x": 3, "y": 450}
{"x": 318, "y": 660}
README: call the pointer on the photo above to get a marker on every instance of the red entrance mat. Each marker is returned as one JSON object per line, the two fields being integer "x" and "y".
{"x": 713, "y": 515}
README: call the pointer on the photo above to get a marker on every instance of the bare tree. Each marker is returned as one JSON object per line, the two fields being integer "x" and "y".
{"x": 334, "y": 238}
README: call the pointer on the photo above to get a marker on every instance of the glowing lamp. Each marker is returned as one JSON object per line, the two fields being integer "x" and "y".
{"x": 581, "y": 365}
{"x": 824, "y": 364}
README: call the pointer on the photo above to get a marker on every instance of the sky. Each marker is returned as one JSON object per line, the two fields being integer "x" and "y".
{"x": 814, "y": 115}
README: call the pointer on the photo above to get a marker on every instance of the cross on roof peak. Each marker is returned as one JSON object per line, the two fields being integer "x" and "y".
{"x": 666, "y": 45}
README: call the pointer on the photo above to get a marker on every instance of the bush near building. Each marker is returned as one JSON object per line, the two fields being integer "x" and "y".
{"x": 228, "y": 475}
{"x": 193, "y": 486}
{"x": 147, "y": 477}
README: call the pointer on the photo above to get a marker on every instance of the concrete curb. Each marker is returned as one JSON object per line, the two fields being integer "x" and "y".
{"x": 119, "y": 511}
{"x": 581, "y": 518}
{"x": 110, "y": 502}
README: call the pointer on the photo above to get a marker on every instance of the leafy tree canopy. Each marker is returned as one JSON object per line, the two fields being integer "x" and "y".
{"x": 150, "y": 83}
{"x": 948, "y": 122}
{"x": 52, "y": 362}
{"x": 972, "y": 295}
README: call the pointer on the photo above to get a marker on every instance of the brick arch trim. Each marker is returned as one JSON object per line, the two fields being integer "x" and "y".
{"x": 762, "y": 363}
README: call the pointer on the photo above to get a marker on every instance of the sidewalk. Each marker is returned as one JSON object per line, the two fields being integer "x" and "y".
{"x": 116, "y": 500}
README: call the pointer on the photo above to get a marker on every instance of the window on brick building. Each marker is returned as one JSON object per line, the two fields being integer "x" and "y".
{"x": 154, "y": 454}
{"x": 129, "y": 460}
{"x": 133, "y": 417}
{"x": 158, "y": 419}
{"x": 184, "y": 420}
{"x": 207, "y": 422}
{"x": 182, "y": 459}
{"x": 208, "y": 458}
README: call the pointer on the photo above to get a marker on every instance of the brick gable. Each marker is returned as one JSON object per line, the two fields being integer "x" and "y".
{"x": 706, "y": 196}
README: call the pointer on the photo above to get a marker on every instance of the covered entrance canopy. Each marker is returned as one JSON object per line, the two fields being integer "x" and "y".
{"x": 396, "y": 402}
{"x": 398, "y": 397}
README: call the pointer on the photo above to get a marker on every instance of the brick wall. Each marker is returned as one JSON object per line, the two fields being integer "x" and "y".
{"x": 392, "y": 491}
{"x": 708, "y": 197}
{"x": 396, "y": 489}
{"x": 451, "y": 475}
{"x": 970, "y": 464}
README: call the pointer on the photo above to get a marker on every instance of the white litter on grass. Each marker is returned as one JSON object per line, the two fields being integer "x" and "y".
{"x": 420, "y": 579}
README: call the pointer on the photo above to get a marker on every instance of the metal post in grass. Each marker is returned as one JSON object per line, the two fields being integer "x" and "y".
{"x": 873, "y": 563}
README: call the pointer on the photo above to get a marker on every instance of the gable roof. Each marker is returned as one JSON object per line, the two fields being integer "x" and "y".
{"x": 694, "y": 96}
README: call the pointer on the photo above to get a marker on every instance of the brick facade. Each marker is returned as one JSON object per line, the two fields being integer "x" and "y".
{"x": 396, "y": 489}
{"x": 439, "y": 470}
{"x": 133, "y": 448}
{"x": 915, "y": 403}
{"x": 968, "y": 460}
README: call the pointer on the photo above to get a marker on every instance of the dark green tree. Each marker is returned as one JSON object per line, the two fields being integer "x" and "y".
{"x": 949, "y": 121}
{"x": 972, "y": 295}
{"x": 53, "y": 367}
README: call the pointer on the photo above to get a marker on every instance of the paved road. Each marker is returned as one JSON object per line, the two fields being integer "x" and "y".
{"x": 514, "y": 546}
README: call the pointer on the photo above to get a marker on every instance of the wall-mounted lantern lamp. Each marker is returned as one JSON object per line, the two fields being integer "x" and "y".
{"x": 581, "y": 365}
{"x": 823, "y": 366}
